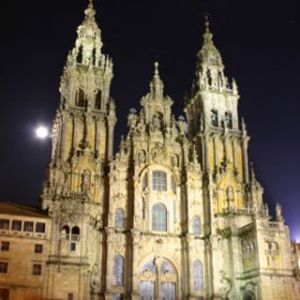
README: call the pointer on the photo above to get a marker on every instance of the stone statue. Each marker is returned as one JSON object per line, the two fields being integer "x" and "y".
{"x": 226, "y": 286}
{"x": 86, "y": 181}
{"x": 279, "y": 216}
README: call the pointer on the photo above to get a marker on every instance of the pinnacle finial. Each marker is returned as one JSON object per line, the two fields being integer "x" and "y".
{"x": 207, "y": 33}
{"x": 156, "y": 84}
{"x": 253, "y": 176}
{"x": 206, "y": 23}
{"x": 90, "y": 11}
{"x": 156, "y": 69}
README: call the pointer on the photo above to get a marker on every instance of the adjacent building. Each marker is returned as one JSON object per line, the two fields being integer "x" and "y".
{"x": 24, "y": 248}
{"x": 176, "y": 213}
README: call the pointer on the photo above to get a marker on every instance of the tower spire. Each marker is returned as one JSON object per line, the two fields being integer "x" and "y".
{"x": 156, "y": 85}
{"x": 210, "y": 68}
{"x": 88, "y": 46}
{"x": 207, "y": 33}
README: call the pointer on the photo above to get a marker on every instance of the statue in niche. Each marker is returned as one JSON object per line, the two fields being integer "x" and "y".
{"x": 229, "y": 196}
{"x": 156, "y": 123}
{"x": 142, "y": 157}
{"x": 279, "y": 216}
{"x": 132, "y": 118}
{"x": 226, "y": 286}
{"x": 158, "y": 153}
{"x": 182, "y": 125}
{"x": 94, "y": 275}
{"x": 141, "y": 126}
{"x": 174, "y": 161}
{"x": 85, "y": 181}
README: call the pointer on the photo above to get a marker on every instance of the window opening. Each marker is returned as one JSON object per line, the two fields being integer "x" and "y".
{"x": 159, "y": 179}
{"x": 36, "y": 269}
{"x": 214, "y": 118}
{"x": 40, "y": 227}
{"x": 28, "y": 226}
{"x": 38, "y": 248}
{"x": 5, "y": 246}
{"x": 4, "y": 224}
{"x": 159, "y": 217}
{"x": 16, "y": 225}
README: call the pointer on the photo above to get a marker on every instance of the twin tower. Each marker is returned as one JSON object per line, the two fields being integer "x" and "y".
{"x": 175, "y": 213}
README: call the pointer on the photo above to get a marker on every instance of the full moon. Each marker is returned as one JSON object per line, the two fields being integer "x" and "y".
{"x": 42, "y": 132}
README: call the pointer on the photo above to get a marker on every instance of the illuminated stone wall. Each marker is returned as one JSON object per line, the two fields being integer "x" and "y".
{"x": 176, "y": 214}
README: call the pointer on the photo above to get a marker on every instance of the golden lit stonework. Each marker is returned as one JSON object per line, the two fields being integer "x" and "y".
{"x": 176, "y": 213}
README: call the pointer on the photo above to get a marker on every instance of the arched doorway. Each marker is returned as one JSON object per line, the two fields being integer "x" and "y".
{"x": 157, "y": 280}
{"x": 248, "y": 296}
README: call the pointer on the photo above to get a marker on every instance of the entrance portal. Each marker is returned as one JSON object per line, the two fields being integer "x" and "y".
{"x": 158, "y": 280}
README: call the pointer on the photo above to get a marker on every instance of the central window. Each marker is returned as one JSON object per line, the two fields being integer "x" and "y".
{"x": 159, "y": 217}
{"x": 159, "y": 181}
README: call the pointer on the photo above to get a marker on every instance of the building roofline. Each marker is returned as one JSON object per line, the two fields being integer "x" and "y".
{"x": 9, "y": 208}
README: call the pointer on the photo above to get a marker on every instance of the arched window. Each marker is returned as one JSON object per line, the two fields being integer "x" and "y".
{"x": 159, "y": 218}
{"x": 65, "y": 232}
{"x": 75, "y": 233}
{"x": 198, "y": 275}
{"x": 159, "y": 181}
{"x": 76, "y": 230}
{"x": 98, "y": 99}
{"x": 79, "y": 57}
{"x": 209, "y": 77}
{"x": 167, "y": 267}
{"x": 80, "y": 98}
{"x": 120, "y": 218}
{"x": 214, "y": 118}
{"x": 118, "y": 271}
{"x": 158, "y": 280}
{"x": 228, "y": 119}
{"x": 196, "y": 225}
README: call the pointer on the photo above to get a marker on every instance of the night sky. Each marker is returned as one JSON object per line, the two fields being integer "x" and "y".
{"x": 260, "y": 46}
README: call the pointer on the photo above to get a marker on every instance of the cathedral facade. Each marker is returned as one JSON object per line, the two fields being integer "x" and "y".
{"x": 176, "y": 213}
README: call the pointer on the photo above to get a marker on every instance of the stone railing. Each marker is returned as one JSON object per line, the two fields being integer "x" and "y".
{"x": 245, "y": 211}
{"x": 274, "y": 225}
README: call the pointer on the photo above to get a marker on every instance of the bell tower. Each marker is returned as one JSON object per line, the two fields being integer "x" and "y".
{"x": 212, "y": 113}
{"x": 232, "y": 198}
{"x": 75, "y": 191}
{"x": 82, "y": 135}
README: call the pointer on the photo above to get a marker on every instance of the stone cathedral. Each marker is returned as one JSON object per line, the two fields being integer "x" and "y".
{"x": 176, "y": 213}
